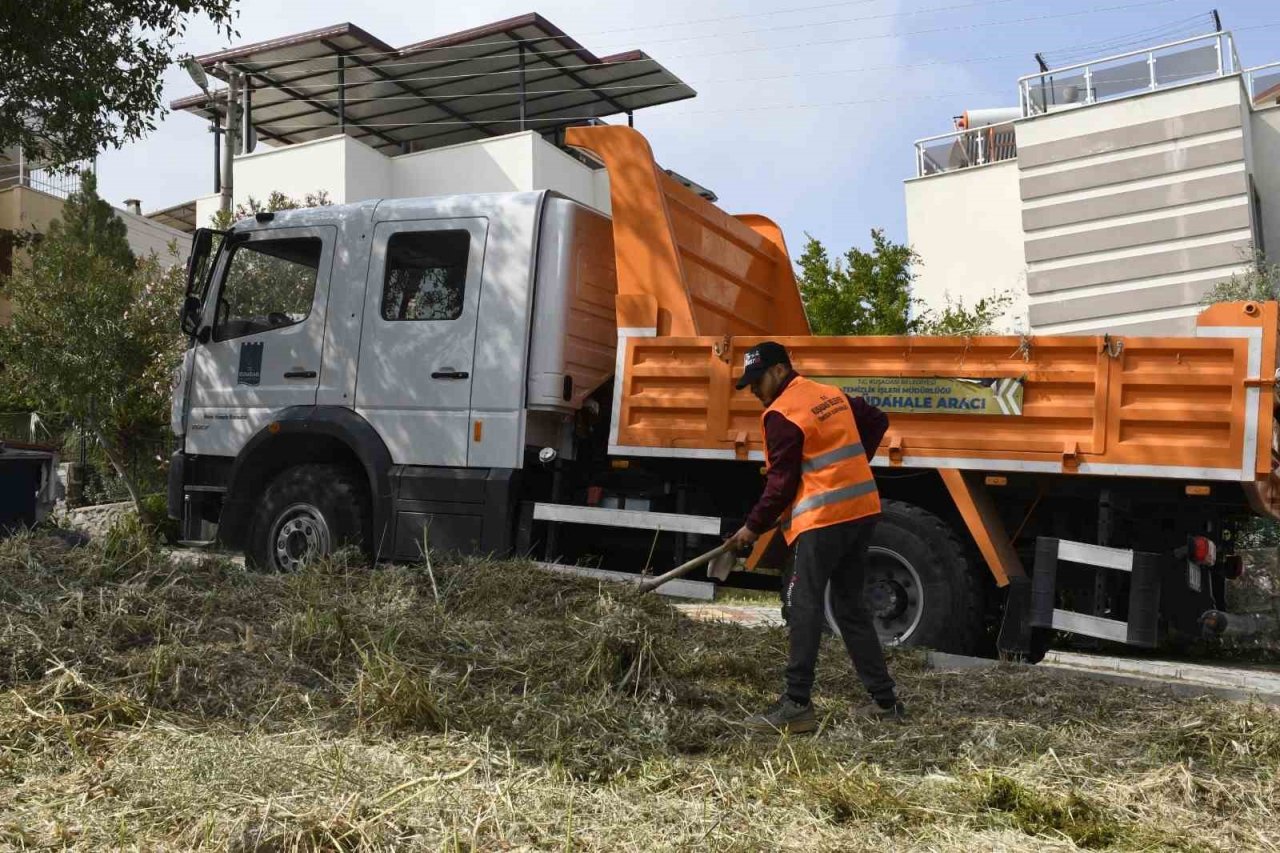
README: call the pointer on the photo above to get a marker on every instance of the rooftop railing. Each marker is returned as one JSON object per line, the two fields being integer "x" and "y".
{"x": 963, "y": 149}
{"x": 60, "y": 182}
{"x": 1123, "y": 75}
{"x": 1263, "y": 84}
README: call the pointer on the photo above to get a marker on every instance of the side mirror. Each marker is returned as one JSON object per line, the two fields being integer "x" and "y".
{"x": 198, "y": 260}
{"x": 191, "y": 308}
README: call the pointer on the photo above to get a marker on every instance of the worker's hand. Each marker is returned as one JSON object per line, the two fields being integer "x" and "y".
{"x": 742, "y": 540}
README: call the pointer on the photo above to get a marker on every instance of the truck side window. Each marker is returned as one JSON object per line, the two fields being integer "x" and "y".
{"x": 269, "y": 285}
{"x": 426, "y": 275}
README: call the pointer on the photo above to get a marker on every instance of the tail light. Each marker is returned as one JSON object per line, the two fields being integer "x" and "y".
{"x": 1202, "y": 551}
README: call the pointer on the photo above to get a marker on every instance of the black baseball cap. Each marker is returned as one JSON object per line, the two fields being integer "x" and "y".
{"x": 760, "y": 358}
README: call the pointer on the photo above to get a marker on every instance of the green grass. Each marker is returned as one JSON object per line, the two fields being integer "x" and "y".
{"x": 148, "y": 705}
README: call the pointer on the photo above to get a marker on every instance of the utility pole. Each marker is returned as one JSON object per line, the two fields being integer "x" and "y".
{"x": 229, "y": 140}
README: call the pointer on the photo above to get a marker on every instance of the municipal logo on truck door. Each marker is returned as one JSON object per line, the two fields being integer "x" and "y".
{"x": 250, "y": 372}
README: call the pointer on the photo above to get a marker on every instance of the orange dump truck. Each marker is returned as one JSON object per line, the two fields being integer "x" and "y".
{"x": 519, "y": 372}
{"x": 1086, "y": 484}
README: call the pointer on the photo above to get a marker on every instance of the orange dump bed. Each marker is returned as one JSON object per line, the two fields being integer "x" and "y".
{"x": 696, "y": 287}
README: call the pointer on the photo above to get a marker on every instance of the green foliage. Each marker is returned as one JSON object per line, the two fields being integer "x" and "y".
{"x": 863, "y": 293}
{"x": 154, "y": 515}
{"x": 869, "y": 293}
{"x": 1261, "y": 283}
{"x": 81, "y": 76}
{"x": 1040, "y": 814}
{"x": 958, "y": 320}
{"x": 275, "y": 201}
{"x": 93, "y": 333}
{"x": 87, "y": 218}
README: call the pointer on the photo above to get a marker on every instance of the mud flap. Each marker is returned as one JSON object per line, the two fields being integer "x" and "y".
{"x": 1015, "y": 629}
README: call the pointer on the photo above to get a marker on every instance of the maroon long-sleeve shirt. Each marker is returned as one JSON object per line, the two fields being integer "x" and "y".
{"x": 784, "y": 442}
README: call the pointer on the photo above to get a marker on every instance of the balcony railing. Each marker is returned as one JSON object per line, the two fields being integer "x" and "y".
{"x": 60, "y": 182}
{"x": 1126, "y": 74}
{"x": 962, "y": 149}
{"x": 1263, "y": 84}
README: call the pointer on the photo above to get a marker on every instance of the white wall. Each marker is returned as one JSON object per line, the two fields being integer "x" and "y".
{"x": 504, "y": 164}
{"x": 554, "y": 169}
{"x": 967, "y": 227}
{"x": 349, "y": 171}
{"x": 147, "y": 235}
{"x": 206, "y": 207}
{"x": 367, "y": 172}
{"x": 1266, "y": 175}
{"x": 295, "y": 170}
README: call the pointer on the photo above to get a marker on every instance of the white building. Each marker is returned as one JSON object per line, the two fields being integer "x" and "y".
{"x": 1113, "y": 198}
{"x": 336, "y": 110}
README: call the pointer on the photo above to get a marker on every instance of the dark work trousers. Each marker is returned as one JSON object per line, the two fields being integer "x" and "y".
{"x": 837, "y": 554}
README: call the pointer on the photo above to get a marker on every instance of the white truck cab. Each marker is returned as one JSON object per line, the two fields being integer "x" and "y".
{"x": 378, "y": 373}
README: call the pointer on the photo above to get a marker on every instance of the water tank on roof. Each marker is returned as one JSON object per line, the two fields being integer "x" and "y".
{"x": 972, "y": 119}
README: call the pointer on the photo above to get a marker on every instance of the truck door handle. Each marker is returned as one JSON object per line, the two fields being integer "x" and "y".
{"x": 450, "y": 374}
{"x": 300, "y": 374}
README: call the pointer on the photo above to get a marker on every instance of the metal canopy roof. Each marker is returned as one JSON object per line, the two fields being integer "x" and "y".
{"x": 181, "y": 217}
{"x": 440, "y": 92}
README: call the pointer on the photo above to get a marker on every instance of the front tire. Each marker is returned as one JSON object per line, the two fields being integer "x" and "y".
{"x": 306, "y": 513}
{"x": 921, "y": 588}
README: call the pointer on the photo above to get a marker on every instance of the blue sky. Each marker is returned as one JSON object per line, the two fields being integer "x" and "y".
{"x": 806, "y": 109}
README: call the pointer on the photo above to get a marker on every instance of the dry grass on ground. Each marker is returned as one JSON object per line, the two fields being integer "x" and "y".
{"x": 145, "y": 705}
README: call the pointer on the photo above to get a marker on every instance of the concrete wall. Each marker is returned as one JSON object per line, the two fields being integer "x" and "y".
{"x": 554, "y": 169}
{"x": 966, "y": 225}
{"x": 1266, "y": 175}
{"x": 22, "y": 208}
{"x": 1132, "y": 210}
{"x": 504, "y": 164}
{"x": 295, "y": 170}
{"x": 349, "y": 171}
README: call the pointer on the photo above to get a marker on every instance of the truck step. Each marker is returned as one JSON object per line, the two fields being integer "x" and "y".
{"x": 1144, "y": 591}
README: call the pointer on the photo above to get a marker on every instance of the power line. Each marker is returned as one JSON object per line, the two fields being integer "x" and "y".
{"x": 873, "y": 37}
{"x": 736, "y": 80}
{"x": 519, "y": 41}
{"x": 450, "y": 122}
{"x": 1167, "y": 31}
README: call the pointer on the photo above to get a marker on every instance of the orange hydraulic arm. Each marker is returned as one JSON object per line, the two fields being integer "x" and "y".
{"x": 685, "y": 267}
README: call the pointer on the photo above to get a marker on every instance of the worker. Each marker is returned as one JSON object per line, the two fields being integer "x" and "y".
{"x": 819, "y": 485}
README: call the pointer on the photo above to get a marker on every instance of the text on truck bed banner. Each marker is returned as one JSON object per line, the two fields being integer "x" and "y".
{"x": 927, "y": 395}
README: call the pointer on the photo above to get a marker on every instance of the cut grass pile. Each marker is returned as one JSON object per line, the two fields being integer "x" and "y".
{"x": 146, "y": 704}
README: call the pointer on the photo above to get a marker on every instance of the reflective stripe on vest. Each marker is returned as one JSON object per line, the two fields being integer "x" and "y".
{"x": 836, "y": 484}
{"x": 838, "y": 455}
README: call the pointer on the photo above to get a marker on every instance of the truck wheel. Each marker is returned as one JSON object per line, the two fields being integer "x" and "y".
{"x": 920, "y": 586}
{"x": 307, "y": 512}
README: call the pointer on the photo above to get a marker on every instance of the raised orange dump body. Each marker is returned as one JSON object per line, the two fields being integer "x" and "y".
{"x": 697, "y": 287}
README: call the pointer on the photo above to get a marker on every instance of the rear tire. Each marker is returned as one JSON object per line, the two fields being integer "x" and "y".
{"x": 306, "y": 513}
{"x": 921, "y": 587}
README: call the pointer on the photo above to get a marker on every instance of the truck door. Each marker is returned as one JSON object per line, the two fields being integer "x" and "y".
{"x": 418, "y": 341}
{"x": 261, "y": 348}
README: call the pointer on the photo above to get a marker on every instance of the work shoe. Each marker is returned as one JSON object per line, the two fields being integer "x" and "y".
{"x": 892, "y": 710}
{"x": 784, "y": 716}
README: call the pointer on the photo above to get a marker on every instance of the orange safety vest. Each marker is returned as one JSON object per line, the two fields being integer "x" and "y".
{"x": 835, "y": 477}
